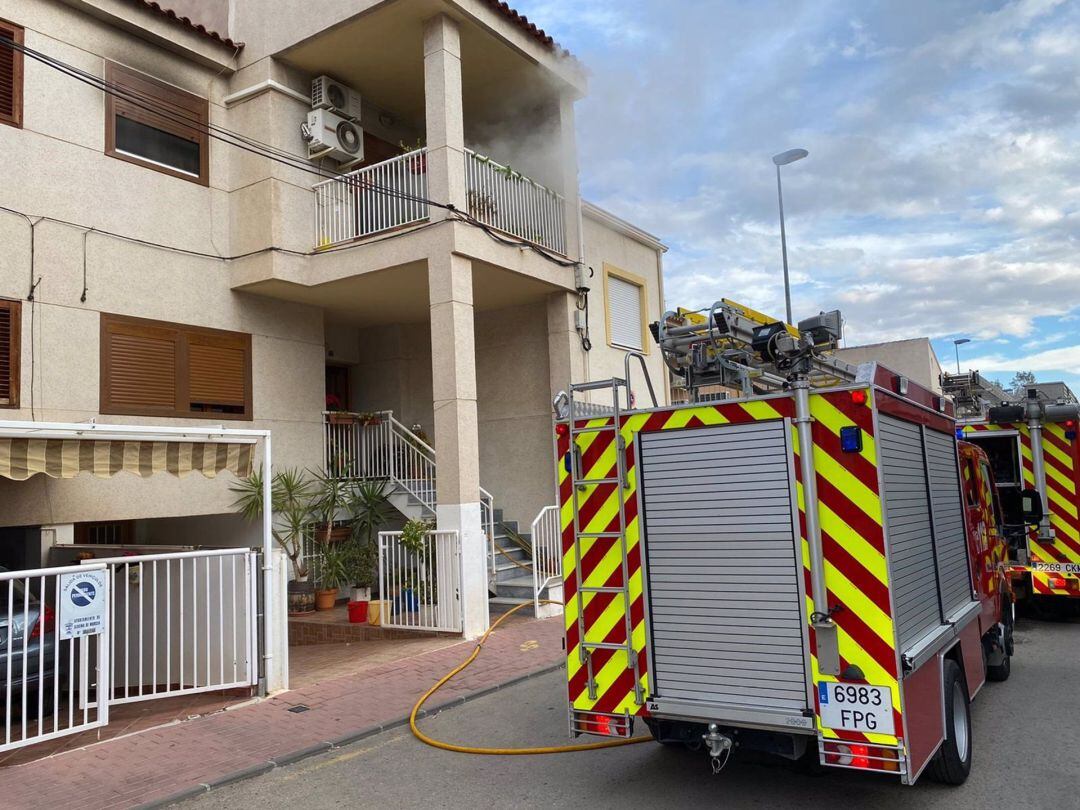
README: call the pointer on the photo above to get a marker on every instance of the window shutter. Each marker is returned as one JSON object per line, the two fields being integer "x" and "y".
{"x": 11, "y": 70}
{"x": 155, "y": 103}
{"x": 217, "y": 371}
{"x": 624, "y": 313}
{"x": 139, "y": 368}
{"x": 9, "y": 354}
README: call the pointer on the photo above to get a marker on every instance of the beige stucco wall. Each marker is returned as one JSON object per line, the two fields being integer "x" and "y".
{"x": 57, "y": 168}
{"x": 606, "y": 245}
{"x": 914, "y": 358}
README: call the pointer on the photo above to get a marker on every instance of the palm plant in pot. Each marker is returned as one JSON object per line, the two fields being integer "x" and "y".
{"x": 333, "y": 574}
{"x": 290, "y": 502}
{"x": 369, "y": 509}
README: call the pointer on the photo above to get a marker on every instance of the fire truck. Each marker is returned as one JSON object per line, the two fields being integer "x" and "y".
{"x": 1032, "y": 443}
{"x": 812, "y": 568}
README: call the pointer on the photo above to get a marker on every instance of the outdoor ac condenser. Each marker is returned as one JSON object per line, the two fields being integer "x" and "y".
{"x": 327, "y": 94}
{"x": 329, "y": 135}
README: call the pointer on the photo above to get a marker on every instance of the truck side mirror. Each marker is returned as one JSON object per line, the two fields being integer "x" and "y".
{"x": 1031, "y": 506}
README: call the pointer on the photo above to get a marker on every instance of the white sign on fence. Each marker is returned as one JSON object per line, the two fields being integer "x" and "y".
{"x": 83, "y": 603}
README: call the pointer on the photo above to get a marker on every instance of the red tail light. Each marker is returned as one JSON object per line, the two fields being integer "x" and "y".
{"x": 1057, "y": 582}
{"x": 858, "y": 397}
{"x": 46, "y": 622}
{"x": 860, "y": 756}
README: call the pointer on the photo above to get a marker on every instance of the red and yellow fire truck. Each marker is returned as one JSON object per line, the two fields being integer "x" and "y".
{"x": 1033, "y": 443}
{"x": 811, "y": 569}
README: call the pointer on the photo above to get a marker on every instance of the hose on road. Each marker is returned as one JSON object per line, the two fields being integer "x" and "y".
{"x": 468, "y": 749}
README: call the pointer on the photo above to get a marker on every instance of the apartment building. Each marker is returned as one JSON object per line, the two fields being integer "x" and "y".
{"x": 186, "y": 243}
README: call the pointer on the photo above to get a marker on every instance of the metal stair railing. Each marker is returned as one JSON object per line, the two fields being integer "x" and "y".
{"x": 377, "y": 445}
{"x": 546, "y": 552}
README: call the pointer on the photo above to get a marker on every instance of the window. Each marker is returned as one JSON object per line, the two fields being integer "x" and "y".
{"x": 10, "y": 333}
{"x": 625, "y": 294}
{"x": 11, "y": 76}
{"x": 105, "y": 533}
{"x": 153, "y": 368}
{"x": 156, "y": 125}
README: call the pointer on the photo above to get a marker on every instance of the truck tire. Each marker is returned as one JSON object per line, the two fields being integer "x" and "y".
{"x": 952, "y": 763}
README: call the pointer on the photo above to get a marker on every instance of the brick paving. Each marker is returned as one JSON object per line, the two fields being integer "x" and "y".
{"x": 154, "y": 765}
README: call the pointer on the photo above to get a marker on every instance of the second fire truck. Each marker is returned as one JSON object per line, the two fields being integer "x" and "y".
{"x": 811, "y": 569}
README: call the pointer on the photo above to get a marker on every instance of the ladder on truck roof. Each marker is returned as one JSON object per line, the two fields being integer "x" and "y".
{"x": 578, "y": 483}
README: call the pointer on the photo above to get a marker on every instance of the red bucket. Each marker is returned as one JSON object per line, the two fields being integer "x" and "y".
{"x": 357, "y": 612}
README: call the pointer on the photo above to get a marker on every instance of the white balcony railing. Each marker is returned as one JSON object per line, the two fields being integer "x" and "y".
{"x": 370, "y": 200}
{"x": 392, "y": 194}
{"x": 510, "y": 201}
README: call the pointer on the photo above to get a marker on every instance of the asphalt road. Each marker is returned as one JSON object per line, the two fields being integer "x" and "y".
{"x": 1026, "y": 753}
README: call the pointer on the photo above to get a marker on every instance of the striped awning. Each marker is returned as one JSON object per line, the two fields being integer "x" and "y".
{"x": 21, "y": 458}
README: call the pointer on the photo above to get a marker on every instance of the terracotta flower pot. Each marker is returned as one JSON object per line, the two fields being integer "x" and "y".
{"x": 326, "y": 598}
{"x": 341, "y": 418}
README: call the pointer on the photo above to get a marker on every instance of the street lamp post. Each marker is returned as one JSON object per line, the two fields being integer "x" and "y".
{"x": 783, "y": 159}
{"x": 956, "y": 346}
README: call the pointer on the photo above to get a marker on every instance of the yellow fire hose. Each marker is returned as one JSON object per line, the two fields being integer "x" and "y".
{"x": 468, "y": 749}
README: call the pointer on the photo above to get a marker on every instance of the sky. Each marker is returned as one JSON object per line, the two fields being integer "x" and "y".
{"x": 941, "y": 196}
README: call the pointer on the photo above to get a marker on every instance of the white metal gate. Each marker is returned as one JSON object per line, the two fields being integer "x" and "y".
{"x": 48, "y": 681}
{"x": 183, "y": 622}
{"x": 420, "y": 589}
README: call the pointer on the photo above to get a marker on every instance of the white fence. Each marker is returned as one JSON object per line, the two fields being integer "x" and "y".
{"x": 47, "y": 680}
{"x": 375, "y": 198}
{"x": 547, "y": 554}
{"x": 511, "y": 202}
{"x": 182, "y": 623}
{"x": 420, "y": 589}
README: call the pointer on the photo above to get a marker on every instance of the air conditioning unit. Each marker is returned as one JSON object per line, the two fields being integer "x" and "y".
{"x": 330, "y": 135}
{"x": 327, "y": 94}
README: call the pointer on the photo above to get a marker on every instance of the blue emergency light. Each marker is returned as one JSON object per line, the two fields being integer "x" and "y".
{"x": 851, "y": 439}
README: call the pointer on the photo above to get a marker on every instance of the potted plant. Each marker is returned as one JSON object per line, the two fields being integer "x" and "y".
{"x": 418, "y": 162}
{"x": 290, "y": 502}
{"x": 368, "y": 418}
{"x": 333, "y": 573}
{"x": 369, "y": 509}
{"x": 414, "y": 540}
{"x": 330, "y": 498}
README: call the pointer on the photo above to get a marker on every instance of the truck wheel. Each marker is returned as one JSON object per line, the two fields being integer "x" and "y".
{"x": 952, "y": 763}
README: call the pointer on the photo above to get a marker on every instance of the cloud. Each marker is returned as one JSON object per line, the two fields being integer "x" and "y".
{"x": 1064, "y": 360}
{"x": 941, "y": 196}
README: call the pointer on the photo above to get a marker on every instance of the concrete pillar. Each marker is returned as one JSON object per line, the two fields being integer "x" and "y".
{"x": 566, "y": 359}
{"x": 56, "y": 535}
{"x": 444, "y": 119}
{"x": 570, "y": 181}
{"x": 457, "y": 450}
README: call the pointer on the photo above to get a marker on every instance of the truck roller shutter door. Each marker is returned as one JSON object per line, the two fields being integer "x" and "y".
{"x": 907, "y": 514}
{"x": 949, "y": 538}
{"x": 726, "y": 615}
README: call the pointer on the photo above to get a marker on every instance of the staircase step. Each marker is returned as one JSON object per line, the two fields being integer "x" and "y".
{"x": 499, "y": 605}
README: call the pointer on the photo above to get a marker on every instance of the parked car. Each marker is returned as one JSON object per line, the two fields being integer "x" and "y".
{"x": 35, "y": 622}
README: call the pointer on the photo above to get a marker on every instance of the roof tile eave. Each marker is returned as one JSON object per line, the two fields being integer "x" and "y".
{"x": 187, "y": 22}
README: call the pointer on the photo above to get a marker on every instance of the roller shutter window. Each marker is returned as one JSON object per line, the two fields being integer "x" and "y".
{"x": 11, "y": 75}
{"x": 156, "y": 125}
{"x": 150, "y": 368}
{"x": 10, "y": 332}
{"x": 625, "y": 316}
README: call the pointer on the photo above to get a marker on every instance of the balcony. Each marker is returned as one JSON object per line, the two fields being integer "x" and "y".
{"x": 389, "y": 195}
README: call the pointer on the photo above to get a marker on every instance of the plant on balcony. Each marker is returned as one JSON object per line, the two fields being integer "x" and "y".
{"x": 481, "y": 205}
{"x": 290, "y": 503}
{"x": 369, "y": 418}
{"x": 418, "y": 162}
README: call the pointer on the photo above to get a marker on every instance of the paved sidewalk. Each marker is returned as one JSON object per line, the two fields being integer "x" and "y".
{"x": 159, "y": 764}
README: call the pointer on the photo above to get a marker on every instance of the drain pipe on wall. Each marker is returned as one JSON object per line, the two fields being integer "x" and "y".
{"x": 269, "y": 603}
